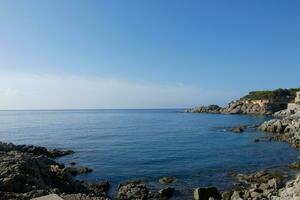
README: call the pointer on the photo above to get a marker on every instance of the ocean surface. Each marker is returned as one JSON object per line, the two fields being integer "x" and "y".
{"x": 120, "y": 145}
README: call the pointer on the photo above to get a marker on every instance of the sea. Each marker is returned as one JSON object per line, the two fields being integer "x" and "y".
{"x": 120, "y": 145}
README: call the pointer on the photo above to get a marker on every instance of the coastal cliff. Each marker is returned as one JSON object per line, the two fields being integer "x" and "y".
{"x": 256, "y": 102}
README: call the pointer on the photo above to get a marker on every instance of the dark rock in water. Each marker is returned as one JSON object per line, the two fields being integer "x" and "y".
{"x": 137, "y": 191}
{"x": 167, "y": 180}
{"x": 257, "y": 140}
{"x": 206, "y": 193}
{"x": 239, "y": 129}
{"x": 37, "y": 150}
{"x": 166, "y": 192}
{"x": 72, "y": 163}
{"x": 77, "y": 170}
{"x": 59, "y": 153}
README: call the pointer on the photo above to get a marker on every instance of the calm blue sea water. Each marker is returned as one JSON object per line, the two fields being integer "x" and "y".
{"x": 126, "y": 144}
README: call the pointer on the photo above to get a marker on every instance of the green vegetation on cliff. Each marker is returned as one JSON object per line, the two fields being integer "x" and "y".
{"x": 272, "y": 94}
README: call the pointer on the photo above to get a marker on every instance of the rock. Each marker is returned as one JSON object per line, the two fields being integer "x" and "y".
{"x": 294, "y": 165}
{"x": 236, "y": 195}
{"x": 72, "y": 163}
{"x": 286, "y": 129}
{"x": 215, "y": 109}
{"x": 137, "y": 191}
{"x": 226, "y": 195}
{"x": 100, "y": 187}
{"x": 25, "y": 174}
{"x": 167, "y": 180}
{"x": 257, "y": 140}
{"x": 166, "y": 192}
{"x": 37, "y": 150}
{"x": 206, "y": 193}
{"x": 291, "y": 191}
{"x": 239, "y": 129}
{"x": 77, "y": 170}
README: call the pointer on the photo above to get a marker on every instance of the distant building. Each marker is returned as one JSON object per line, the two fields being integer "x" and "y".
{"x": 297, "y": 99}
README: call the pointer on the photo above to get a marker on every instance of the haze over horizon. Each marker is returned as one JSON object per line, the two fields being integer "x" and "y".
{"x": 144, "y": 54}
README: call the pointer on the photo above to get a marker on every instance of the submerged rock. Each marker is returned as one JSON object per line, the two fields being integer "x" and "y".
{"x": 77, "y": 170}
{"x": 239, "y": 129}
{"x": 167, "y": 180}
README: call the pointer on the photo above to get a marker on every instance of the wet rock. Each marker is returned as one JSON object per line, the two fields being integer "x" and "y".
{"x": 205, "y": 193}
{"x": 77, "y": 170}
{"x": 294, "y": 165}
{"x": 72, "y": 163}
{"x": 167, "y": 180}
{"x": 239, "y": 129}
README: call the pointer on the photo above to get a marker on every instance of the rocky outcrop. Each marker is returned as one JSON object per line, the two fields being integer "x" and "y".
{"x": 215, "y": 109}
{"x": 27, "y": 172}
{"x": 256, "y": 102}
{"x": 248, "y": 107}
{"x": 286, "y": 128}
{"x": 236, "y": 107}
{"x": 37, "y": 150}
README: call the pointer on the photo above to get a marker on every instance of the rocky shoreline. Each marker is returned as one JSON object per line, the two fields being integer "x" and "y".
{"x": 28, "y": 172}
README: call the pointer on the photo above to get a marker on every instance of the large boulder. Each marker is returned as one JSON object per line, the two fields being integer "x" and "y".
{"x": 132, "y": 190}
{"x": 205, "y": 193}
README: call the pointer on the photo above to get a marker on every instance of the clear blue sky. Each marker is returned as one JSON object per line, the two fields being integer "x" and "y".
{"x": 217, "y": 49}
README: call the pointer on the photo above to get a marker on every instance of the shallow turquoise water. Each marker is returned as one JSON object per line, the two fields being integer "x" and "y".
{"x": 126, "y": 144}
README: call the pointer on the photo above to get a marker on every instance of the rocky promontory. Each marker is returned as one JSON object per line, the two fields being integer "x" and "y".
{"x": 256, "y": 103}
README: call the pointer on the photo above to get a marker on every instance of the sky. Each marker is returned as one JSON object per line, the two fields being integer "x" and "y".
{"x": 144, "y": 53}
